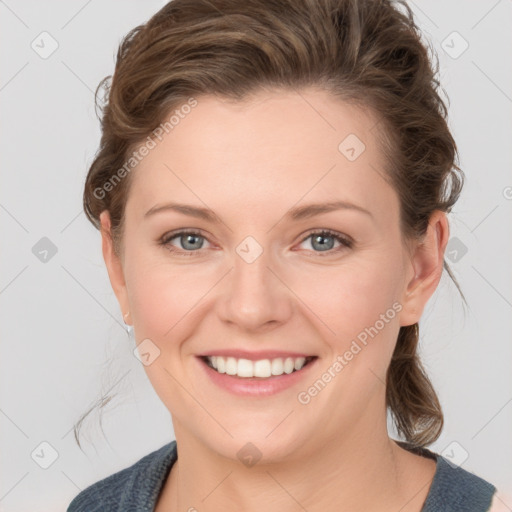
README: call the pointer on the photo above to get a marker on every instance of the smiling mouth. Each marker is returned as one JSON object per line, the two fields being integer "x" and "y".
{"x": 262, "y": 368}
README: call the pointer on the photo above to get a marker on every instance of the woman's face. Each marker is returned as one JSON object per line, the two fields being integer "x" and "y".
{"x": 257, "y": 280}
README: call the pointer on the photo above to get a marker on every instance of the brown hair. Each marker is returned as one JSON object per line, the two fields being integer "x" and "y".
{"x": 368, "y": 52}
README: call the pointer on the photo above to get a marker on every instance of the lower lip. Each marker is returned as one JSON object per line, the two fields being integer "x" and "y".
{"x": 256, "y": 386}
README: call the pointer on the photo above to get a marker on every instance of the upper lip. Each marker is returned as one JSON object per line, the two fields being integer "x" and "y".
{"x": 254, "y": 356}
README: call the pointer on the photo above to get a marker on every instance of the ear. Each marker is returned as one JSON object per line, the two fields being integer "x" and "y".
{"x": 114, "y": 266}
{"x": 426, "y": 267}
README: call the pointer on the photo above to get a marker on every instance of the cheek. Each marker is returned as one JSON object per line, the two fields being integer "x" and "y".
{"x": 348, "y": 298}
{"x": 165, "y": 298}
{"x": 161, "y": 299}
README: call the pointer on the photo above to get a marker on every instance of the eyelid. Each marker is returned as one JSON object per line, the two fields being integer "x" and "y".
{"x": 346, "y": 242}
{"x": 182, "y": 231}
{"x": 167, "y": 237}
{"x": 326, "y": 231}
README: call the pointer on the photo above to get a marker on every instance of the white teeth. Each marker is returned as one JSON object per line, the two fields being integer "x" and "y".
{"x": 299, "y": 363}
{"x": 221, "y": 364}
{"x": 231, "y": 366}
{"x": 277, "y": 366}
{"x": 289, "y": 365}
{"x": 261, "y": 368}
{"x": 245, "y": 368}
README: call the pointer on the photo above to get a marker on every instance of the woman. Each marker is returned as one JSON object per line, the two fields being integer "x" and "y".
{"x": 272, "y": 188}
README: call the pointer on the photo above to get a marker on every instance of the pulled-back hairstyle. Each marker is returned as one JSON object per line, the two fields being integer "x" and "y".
{"x": 367, "y": 52}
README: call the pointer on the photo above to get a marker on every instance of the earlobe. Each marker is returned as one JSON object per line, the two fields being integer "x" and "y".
{"x": 426, "y": 267}
{"x": 114, "y": 265}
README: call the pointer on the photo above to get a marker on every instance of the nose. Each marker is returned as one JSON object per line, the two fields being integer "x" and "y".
{"x": 255, "y": 297}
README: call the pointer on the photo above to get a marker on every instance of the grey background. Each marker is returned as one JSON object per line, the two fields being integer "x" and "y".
{"x": 63, "y": 338}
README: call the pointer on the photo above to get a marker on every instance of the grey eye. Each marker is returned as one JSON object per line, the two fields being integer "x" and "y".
{"x": 322, "y": 242}
{"x": 191, "y": 241}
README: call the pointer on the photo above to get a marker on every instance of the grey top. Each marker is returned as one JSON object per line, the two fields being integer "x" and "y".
{"x": 136, "y": 488}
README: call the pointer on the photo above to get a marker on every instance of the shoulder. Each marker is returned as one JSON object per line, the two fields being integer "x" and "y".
{"x": 454, "y": 488}
{"x": 461, "y": 489}
{"x": 134, "y": 488}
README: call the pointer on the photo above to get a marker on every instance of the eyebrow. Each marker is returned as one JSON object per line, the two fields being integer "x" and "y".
{"x": 297, "y": 213}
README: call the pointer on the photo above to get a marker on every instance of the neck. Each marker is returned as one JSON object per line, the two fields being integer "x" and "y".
{"x": 363, "y": 470}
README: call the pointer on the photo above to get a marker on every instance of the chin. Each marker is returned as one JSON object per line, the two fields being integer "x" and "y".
{"x": 252, "y": 445}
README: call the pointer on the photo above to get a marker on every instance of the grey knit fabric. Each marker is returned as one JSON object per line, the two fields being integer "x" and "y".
{"x": 136, "y": 488}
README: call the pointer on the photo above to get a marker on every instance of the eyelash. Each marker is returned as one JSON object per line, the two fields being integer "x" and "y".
{"x": 346, "y": 243}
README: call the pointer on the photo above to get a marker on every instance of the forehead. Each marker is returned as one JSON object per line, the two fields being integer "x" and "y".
{"x": 272, "y": 150}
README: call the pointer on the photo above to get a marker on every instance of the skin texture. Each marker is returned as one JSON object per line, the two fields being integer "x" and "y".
{"x": 250, "y": 163}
